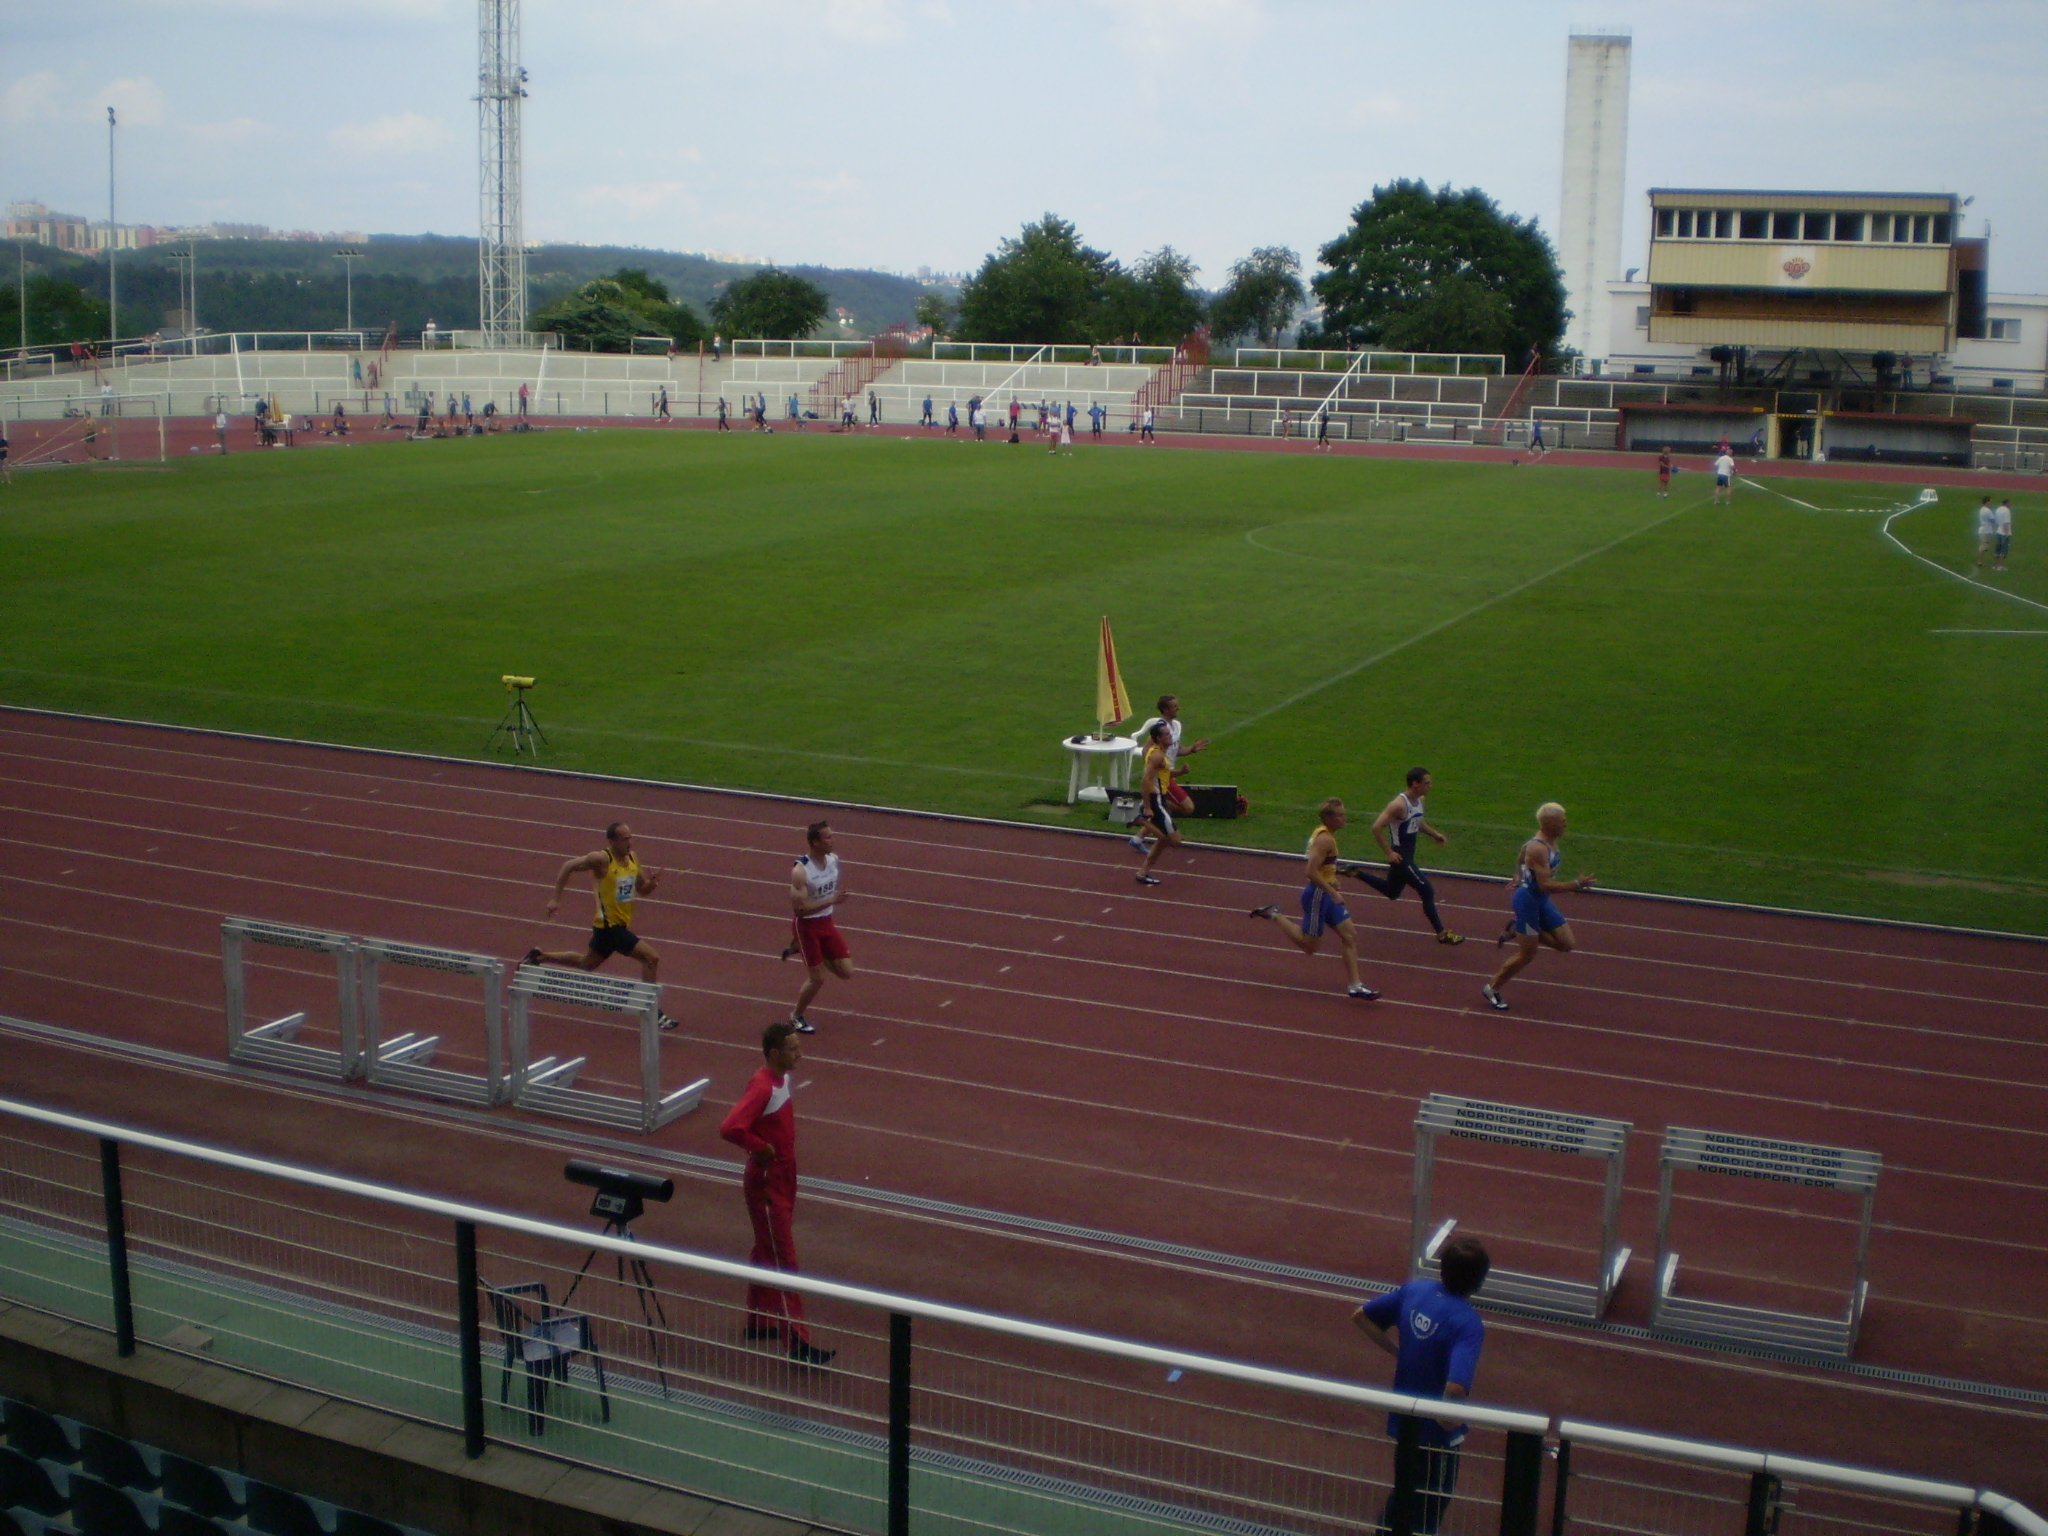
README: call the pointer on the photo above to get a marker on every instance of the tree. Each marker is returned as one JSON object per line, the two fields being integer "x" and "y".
{"x": 1440, "y": 271}
{"x": 58, "y": 311}
{"x": 1044, "y": 286}
{"x": 770, "y": 303}
{"x": 1156, "y": 299}
{"x": 606, "y": 313}
{"x": 934, "y": 311}
{"x": 1261, "y": 297}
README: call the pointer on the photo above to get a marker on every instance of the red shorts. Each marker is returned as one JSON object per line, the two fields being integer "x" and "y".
{"x": 820, "y": 940}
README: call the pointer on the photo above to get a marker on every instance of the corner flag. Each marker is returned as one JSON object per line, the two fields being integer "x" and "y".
{"x": 1112, "y": 704}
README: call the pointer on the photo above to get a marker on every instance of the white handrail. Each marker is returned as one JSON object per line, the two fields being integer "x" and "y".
{"x": 1343, "y": 1391}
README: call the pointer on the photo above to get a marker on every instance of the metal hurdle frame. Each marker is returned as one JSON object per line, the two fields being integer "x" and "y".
{"x": 1541, "y": 1130}
{"x": 276, "y": 1044}
{"x": 1780, "y": 1162}
{"x": 406, "y": 1061}
{"x": 548, "y": 1086}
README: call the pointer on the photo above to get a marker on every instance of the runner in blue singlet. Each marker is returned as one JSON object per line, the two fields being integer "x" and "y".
{"x": 1536, "y": 920}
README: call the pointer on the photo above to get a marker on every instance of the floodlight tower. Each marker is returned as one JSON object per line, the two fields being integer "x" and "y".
{"x": 1595, "y": 146}
{"x": 501, "y": 246}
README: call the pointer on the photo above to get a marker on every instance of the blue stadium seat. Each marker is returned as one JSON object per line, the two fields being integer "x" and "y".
{"x": 27, "y": 1484}
{"x": 280, "y": 1512}
{"x": 39, "y": 1435}
{"x": 98, "y": 1509}
{"x": 198, "y": 1488}
{"x": 114, "y": 1460}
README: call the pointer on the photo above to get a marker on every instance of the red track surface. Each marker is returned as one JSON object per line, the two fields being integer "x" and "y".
{"x": 1031, "y": 1032}
{"x": 187, "y": 435}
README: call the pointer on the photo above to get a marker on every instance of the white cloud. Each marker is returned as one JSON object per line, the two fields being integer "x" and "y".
{"x": 865, "y": 21}
{"x": 236, "y": 130}
{"x": 636, "y": 197}
{"x": 33, "y": 96}
{"x": 138, "y": 101}
{"x": 393, "y": 133}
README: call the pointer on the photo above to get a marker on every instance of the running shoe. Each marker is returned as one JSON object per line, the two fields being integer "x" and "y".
{"x": 664, "y": 1020}
{"x": 531, "y": 957}
{"x": 1137, "y": 844}
{"x": 791, "y": 950}
{"x": 1445, "y": 936}
{"x": 803, "y": 1352}
{"x": 1148, "y": 879}
{"x": 1361, "y": 991}
{"x": 804, "y": 1026}
{"x": 1494, "y": 1000}
{"x": 1265, "y": 911}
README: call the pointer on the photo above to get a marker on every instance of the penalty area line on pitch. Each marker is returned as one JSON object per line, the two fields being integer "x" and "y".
{"x": 1455, "y": 619}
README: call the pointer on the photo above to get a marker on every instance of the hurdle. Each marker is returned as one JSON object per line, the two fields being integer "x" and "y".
{"x": 1778, "y": 1162}
{"x": 1540, "y": 1130}
{"x": 407, "y": 1060}
{"x": 276, "y": 1044}
{"x": 548, "y": 1086}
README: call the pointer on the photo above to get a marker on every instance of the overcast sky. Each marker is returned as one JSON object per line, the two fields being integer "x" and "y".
{"x": 901, "y": 133}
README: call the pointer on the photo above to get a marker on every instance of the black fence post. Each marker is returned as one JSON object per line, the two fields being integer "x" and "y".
{"x": 1407, "y": 1478}
{"x": 1762, "y": 1517}
{"x": 1559, "y": 1493}
{"x": 1521, "y": 1487}
{"x": 899, "y": 1424}
{"x": 117, "y": 1246}
{"x": 471, "y": 1342}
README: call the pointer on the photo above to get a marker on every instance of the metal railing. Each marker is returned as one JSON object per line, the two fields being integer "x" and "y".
{"x": 959, "y": 1418}
{"x": 1290, "y": 359}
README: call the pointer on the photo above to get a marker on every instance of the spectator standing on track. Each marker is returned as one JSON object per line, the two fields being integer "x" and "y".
{"x": 1987, "y": 529}
{"x": 926, "y": 419}
{"x": 953, "y": 416}
{"x": 724, "y": 415}
{"x": 522, "y": 402}
{"x": 1435, "y": 1336}
{"x": 813, "y": 893}
{"x": 6, "y": 469}
{"x": 1145, "y": 431}
{"x": 1322, "y": 907}
{"x": 1096, "y": 414}
{"x": 763, "y": 1125}
{"x": 660, "y": 404}
{"x": 1536, "y": 444}
{"x": 2004, "y": 528}
{"x": 1323, "y": 429}
{"x": 1724, "y": 475}
{"x": 874, "y": 410}
{"x": 1664, "y": 472}
{"x": 981, "y": 424}
{"x": 1536, "y": 920}
{"x": 1396, "y": 830}
{"x": 621, "y": 881}
{"x": 468, "y": 415}
{"x": 1016, "y": 410}
{"x": 220, "y": 430}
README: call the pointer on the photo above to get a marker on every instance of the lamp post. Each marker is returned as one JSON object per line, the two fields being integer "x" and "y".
{"x": 113, "y": 240}
{"x": 349, "y": 258}
{"x": 185, "y": 284}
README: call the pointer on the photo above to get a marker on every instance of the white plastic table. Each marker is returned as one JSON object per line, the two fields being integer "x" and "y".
{"x": 1084, "y": 753}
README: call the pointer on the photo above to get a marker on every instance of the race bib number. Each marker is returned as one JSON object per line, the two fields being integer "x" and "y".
{"x": 625, "y": 888}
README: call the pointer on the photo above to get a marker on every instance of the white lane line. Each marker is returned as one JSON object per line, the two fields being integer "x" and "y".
{"x": 1455, "y": 619}
{"x": 1988, "y": 631}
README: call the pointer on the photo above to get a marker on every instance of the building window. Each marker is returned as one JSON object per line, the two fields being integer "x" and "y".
{"x": 1724, "y": 224}
{"x": 1667, "y": 221}
{"x": 2001, "y": 330}
{"x": 2001, "y": 383}
{"x": 1643, "y": 319}
{"x": 1848, "y": 226}
{"x": 1920, "y": 222}
{"x": 1685, "y": 223}
{"x": 1941, "y": 222}
{"x": 1756, "y": 225}
{"x": 1819, "y": 225}
{"x": 1784, "y": 226}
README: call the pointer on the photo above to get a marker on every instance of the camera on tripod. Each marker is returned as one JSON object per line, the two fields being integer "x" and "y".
{"x": 622, "y": 1195}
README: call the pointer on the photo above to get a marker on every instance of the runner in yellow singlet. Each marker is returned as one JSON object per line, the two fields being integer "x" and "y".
{"x": 621, "y": 881}
{"x": 1322, "y": 906}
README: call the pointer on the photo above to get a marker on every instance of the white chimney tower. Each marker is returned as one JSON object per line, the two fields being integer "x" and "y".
{"x": 1595, "y": 146}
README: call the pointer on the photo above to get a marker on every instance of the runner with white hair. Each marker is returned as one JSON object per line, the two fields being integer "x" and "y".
{"x": 1536, "y": 919}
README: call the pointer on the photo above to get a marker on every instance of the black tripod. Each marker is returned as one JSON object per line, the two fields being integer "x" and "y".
{"x": 618, "y": 1211}
{"x": 519, "y": 726}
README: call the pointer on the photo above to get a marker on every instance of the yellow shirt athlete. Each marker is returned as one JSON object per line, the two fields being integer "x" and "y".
{"x": 1322, "y": 909}
{"x": 621, "y": 881}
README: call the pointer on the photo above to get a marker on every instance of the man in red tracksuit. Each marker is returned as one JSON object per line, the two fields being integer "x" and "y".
{"x": 763, "y": 1125}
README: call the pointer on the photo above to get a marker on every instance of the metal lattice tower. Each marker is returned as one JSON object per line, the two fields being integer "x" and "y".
{"x": 501, "y": 246}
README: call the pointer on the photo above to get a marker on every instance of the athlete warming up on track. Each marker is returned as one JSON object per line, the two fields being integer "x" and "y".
{"x": 1322, "y": 909}
{"x": 1435, "y": 1337}
{"x": 1395, "y": 831}
{"x": 813, "y": 892}
{"x": 1536, "y": 919}
{"x": 1155, "y": 819}
{"x": 763, "y": 1125}
{"x": 621, "y": 882}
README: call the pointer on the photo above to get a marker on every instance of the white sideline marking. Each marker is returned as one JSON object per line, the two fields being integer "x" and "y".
{"x": 1457, "y": 618}
{"x": 1988, "y": 631}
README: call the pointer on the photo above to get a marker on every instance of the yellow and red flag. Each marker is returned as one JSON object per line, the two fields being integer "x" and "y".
{"x": 1112, "y": 704}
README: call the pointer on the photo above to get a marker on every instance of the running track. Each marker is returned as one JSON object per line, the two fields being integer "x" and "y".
{"x": 1032, "y": 1033}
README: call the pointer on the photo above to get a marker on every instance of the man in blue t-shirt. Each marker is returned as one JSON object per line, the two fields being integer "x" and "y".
{"x": 1435, "y": 1340}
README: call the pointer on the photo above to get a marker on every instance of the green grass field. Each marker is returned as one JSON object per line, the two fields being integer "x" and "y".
{"x": 1754, "y": 703}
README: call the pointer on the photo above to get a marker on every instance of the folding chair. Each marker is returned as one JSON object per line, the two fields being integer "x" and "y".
{"x": 541, "y": 1341}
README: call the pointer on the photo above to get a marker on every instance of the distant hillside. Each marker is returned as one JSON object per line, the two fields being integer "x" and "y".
{"x": 283, "y": 285}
